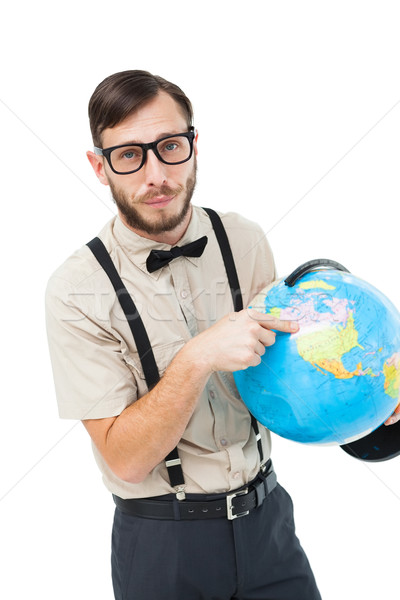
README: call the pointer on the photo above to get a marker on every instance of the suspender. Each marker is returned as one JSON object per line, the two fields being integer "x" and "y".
{"x": 135, "y": 322}
{"x": 143, "y": 345}
{"x": 226, "y": 252}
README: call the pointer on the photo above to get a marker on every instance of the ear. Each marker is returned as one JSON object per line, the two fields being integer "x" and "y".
{"x": 196, "y": 137}
{"x": 97, "y": 163}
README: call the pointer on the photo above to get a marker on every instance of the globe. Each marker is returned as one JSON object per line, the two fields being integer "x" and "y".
{"x": 338, "y": 378}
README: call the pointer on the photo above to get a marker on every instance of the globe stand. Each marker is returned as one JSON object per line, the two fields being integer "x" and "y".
{"x": 313, "y": 265}
{"x": 383, "y": 443}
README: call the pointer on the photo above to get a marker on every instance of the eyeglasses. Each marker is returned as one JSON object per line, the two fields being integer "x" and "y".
{"x": 129, "y": 158}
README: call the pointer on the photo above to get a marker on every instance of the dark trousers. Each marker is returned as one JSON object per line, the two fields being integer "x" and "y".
{"x": 256, "y": 557}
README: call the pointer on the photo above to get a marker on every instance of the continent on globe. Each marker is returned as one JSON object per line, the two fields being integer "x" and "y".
{"x": 391, "y": 370}
{"x": 310, "y": 285}
{"x": 325, "y": 347}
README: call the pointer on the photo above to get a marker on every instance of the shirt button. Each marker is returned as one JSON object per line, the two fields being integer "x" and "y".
{"x": 236, "y": 475}
{"x": 212, "y": 394}
{"x": 224, "y": 442}
{"x": 184, "y": 294}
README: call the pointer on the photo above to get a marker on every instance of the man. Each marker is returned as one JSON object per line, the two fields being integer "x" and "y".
{"x": 199, "y": 514}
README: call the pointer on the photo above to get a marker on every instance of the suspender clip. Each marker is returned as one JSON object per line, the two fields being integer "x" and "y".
{"x": 180, "y": 492}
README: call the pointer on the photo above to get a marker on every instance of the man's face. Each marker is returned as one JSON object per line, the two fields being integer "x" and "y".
{"x": 156, "y": 198}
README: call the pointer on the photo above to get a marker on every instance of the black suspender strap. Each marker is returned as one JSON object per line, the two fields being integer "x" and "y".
{"x": 143, "y": 346}
{"x": 226, "y": 252}
{"x": 138, "y": 330}
{"x": 256, "y": 429}
{"x": 233, "y": 279}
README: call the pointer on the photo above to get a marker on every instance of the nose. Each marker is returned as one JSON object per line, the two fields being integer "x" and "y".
{"x": 154, "y": 170}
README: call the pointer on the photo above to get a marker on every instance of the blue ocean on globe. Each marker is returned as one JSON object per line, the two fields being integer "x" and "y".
{"x": 336, "y": 379}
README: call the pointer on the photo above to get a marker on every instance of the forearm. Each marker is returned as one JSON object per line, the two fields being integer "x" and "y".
{"x": 146, "y": 431}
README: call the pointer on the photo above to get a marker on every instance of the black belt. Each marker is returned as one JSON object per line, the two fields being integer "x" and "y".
{"x": 231, "y": 506}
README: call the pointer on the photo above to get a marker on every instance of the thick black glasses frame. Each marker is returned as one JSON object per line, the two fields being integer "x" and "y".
{"x": 190, "y": 135}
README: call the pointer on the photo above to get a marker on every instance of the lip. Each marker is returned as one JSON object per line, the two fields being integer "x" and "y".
{"x": 159, "y": 201}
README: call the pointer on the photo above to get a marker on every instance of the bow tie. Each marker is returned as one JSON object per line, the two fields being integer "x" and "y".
{"x": 159, "y": 258}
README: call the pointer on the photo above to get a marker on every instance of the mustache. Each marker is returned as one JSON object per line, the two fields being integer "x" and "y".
{"x": 164, "y": 190}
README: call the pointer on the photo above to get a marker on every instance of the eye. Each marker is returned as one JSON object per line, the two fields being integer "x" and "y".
{"x": 170, "y": 146}
{"x": 128, "y": 154}
{"x": 131, "y": 154}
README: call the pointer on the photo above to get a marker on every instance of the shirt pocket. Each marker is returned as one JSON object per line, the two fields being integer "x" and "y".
{"x": 163, "y": 354}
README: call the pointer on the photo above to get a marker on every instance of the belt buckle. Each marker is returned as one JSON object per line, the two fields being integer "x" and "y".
{"x": 230, "y": 507}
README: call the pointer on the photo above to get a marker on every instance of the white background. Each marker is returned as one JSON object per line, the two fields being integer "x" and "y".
{"x": 298, "y": 109}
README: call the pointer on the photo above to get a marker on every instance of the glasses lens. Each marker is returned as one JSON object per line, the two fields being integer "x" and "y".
{"x": 126, "y": 159}
{"x": 174, "y": 149}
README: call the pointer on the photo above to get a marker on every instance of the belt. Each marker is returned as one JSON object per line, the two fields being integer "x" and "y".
{"x": 230, "y": 506}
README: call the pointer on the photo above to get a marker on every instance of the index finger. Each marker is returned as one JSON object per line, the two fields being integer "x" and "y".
{"x": 271, "y": 322}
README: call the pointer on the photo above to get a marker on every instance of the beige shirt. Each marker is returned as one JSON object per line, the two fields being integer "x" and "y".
{"x": 97, "y": 371}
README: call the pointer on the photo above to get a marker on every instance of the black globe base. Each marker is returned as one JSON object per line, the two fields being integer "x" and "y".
{"x": 381, "y": 444}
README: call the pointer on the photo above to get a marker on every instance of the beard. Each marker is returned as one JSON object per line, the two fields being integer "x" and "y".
{"x": 133, "y": 217}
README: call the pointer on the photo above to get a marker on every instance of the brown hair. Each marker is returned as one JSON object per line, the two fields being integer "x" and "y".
{"x": 122, "y": 93}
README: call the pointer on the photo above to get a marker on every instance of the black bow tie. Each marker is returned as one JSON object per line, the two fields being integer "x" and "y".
{"x": 160, "y": 258}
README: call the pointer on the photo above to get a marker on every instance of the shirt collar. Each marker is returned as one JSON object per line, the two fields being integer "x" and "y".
{"x": 138, "y": 248}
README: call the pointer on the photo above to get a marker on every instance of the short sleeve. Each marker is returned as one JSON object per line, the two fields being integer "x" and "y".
{"x": 91, "y": 378}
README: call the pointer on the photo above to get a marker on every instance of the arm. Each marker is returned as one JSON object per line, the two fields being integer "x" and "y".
{"x": 134, "y": 442}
